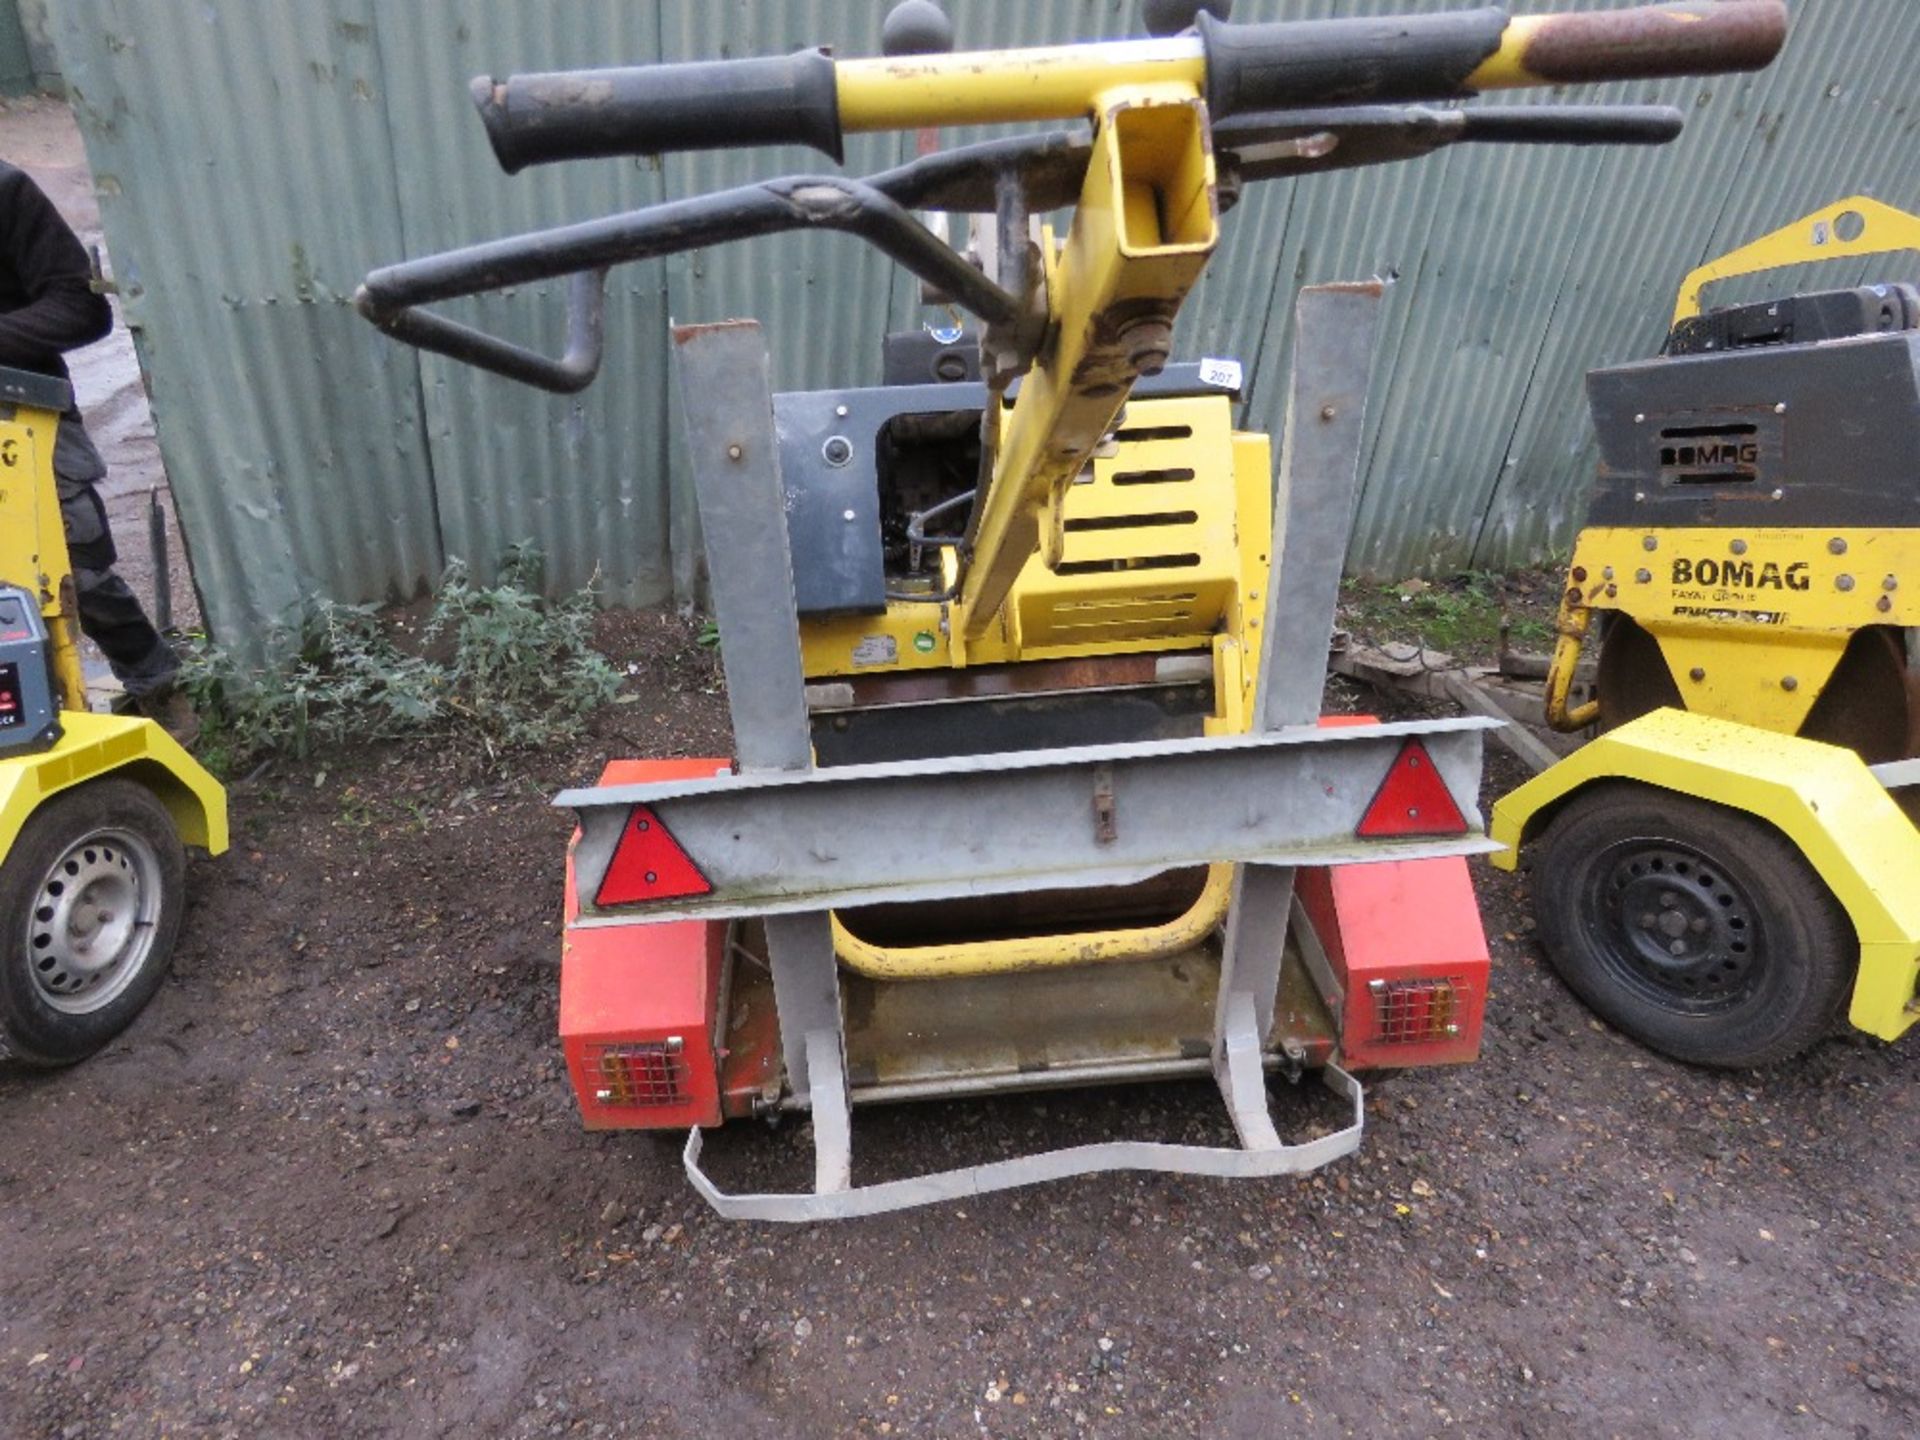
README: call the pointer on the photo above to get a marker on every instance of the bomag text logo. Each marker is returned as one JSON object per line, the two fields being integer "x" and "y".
{"x": 1742, "y": 574}
{"x": 1711, "y": 454}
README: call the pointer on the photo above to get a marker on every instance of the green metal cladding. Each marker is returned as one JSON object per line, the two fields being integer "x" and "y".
{"x": 256, "y": 157}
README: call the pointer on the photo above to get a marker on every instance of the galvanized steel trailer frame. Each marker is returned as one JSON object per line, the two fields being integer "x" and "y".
{"x": 785, "y": 842}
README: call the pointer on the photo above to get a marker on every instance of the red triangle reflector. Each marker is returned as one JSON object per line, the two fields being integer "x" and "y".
{"x": 648, "y": 864}
{"x": 1412, "y": 800}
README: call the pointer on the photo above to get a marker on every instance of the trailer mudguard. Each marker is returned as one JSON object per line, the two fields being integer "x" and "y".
{"x": 1823, "y": 798}
{"x": 97, "y": 745}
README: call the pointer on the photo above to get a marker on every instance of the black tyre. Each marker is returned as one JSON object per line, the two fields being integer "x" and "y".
{"x": 90, "y": 902}
{"x": 1695, "y": 929}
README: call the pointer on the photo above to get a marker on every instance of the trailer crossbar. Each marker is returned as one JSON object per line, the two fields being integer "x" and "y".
{"x": 772, "y": 843}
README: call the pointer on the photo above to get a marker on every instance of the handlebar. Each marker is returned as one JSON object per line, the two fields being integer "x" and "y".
{"x": 1284, "y": 99}
{"x": 1030, "y": 174}
{"x": 808, "y": 98}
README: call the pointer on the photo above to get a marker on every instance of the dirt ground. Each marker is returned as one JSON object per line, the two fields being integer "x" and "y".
{"x": 332, "y": 1184}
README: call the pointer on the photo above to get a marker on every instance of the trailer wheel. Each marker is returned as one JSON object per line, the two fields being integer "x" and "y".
{"x": 91, "y": 897}
{"x": 1694, "y": 928}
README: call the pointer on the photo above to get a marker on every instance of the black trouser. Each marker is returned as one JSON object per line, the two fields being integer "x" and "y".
{"x": 110, "y": 614}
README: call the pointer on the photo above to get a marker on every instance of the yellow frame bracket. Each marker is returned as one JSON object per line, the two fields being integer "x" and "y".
{"x": 1847, "y": 230}
{"x": 1146, "y": 225}
{"x": 1041, "y": 952}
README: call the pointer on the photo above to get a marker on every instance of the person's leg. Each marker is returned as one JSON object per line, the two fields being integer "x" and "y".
{"x": 110, "y": 613}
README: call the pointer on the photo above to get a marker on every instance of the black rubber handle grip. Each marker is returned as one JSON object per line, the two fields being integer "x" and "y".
{"x": 1289, "y": 65}
{"x": 1433, "y": 57}
{"x": 653, "y": 109}
{"x": 1573, "y": 125}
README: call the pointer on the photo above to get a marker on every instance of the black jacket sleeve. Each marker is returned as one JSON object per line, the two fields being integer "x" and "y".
{"x": 43, "y": 263}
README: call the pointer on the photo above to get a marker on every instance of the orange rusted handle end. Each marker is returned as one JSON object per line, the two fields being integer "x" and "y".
{"x": 1695, "y": 37}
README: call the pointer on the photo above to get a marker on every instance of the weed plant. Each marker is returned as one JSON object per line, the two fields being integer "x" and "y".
{"x": 496, "y": 664}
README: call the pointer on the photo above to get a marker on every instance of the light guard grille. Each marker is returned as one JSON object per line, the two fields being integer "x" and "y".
{"x": 639, "y": 1074}
{"x": 1417, "y": 1012}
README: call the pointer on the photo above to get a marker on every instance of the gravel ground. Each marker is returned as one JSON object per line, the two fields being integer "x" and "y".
{"x": 332, "y": 1184}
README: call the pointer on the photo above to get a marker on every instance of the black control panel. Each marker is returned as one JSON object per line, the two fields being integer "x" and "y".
{"x": 29, "y": 720}
{"x": 13, "y": 700}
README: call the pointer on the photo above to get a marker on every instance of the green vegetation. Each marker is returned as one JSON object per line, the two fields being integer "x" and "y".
{"x": 1461, "y": 616}
{"x": 496, "y": 664}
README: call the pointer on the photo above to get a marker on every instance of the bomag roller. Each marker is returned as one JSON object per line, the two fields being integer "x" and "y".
{"x": 1025, "y": 648}
{"x": 1729, "y": 869}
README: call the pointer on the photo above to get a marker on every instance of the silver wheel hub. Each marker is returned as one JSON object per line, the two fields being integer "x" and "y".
{"x": 91, "y": 927}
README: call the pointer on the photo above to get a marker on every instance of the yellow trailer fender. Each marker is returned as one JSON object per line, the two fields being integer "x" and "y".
{"x": 97, "y": 745}
{"x": 1822, "y": 798}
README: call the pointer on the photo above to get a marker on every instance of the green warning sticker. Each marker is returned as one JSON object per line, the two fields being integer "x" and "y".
{"x": 924, "y": 642}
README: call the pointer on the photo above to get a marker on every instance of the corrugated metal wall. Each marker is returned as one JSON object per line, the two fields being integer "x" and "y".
{"x": 16, "y": 62}
{"x": 27, "y": 58}
{"x": 256, "y": 157}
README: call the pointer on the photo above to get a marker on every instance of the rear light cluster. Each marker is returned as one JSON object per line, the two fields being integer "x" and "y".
{"x": 1417, "y": 1012}
{"x": 639, "y": 1074}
